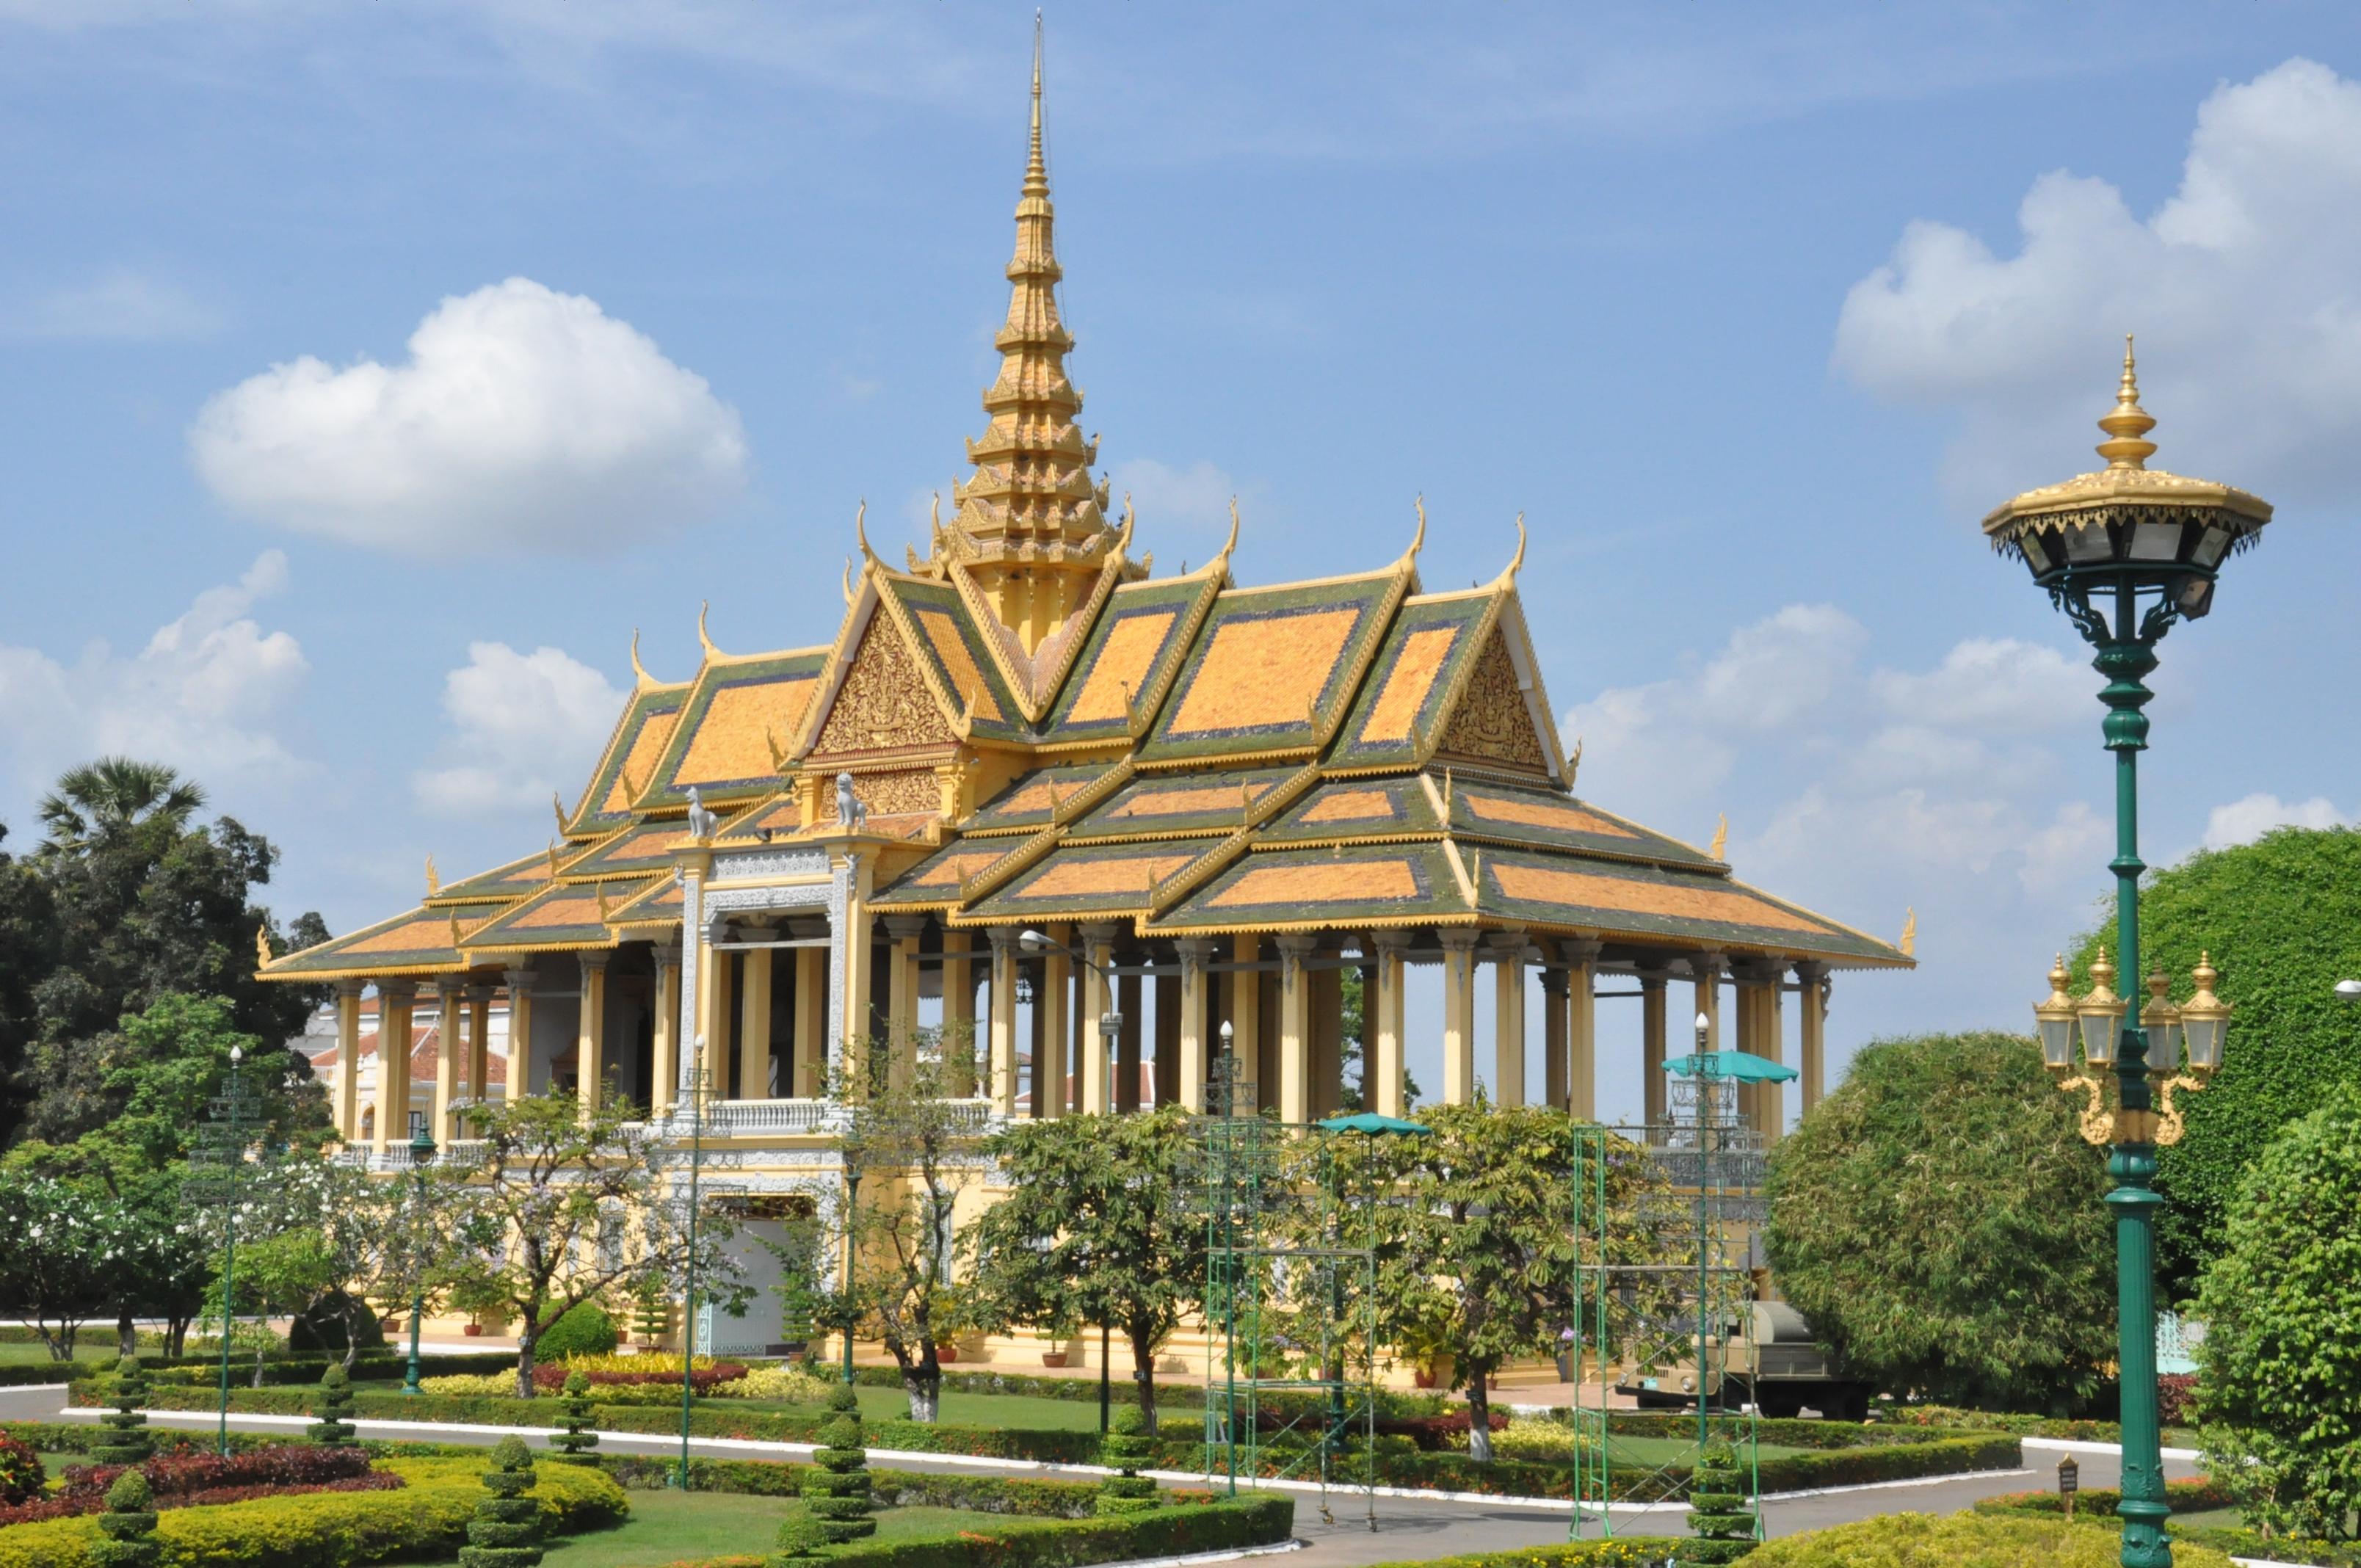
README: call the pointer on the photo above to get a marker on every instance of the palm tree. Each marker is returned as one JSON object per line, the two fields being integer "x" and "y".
{"x": 112, "y": 794}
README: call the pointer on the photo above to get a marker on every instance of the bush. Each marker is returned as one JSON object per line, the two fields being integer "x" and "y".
{"x": 426, "y": 1519}
{"x": 787, "y": 1385}
{"x": 1963, "y": 1255}
{"x": 2279, "y": 1398}
{"x": 839, "y": 1489}
{"x": 128, "y": 1528}
{"x": 506, "y": 1531}
{"x": 21, "y": 1475}
{"x": 1126, "y": 1449}
{"x": 2188, "y": 1496}
{"x": 583, "y": 1329}
{"x": 575, "y": 1440}
{"x": 327, "y": 1326}
{"x": 1962, "y": 1540}
{"x": 1721, "y": 1516}
{"x": 332, "y": 1424}
{"x": 1185, "y": 1530}
{"x": 550, "y": 1377}
{"x": 126, "y": 1435}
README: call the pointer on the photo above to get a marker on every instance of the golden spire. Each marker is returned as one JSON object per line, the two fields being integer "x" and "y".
{"x": 1720, "y": 838}
{"x": 1033, "y": 519}
{"x": 2127, "y": 423}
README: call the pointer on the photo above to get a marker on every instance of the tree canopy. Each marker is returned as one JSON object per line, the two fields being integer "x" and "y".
{"x": 2282, "y": 919}
{"x": 1942, "y": 1223}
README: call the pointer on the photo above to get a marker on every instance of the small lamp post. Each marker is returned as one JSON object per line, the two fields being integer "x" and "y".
{"x": 2124, "y": 553}
{"x": 422, "y": 1155}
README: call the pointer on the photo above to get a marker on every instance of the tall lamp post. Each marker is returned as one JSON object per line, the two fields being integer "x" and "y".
{"x": 422, "y": 1155}
{"x": 2125, "y": 552}
{"x": 1036, "y": 943}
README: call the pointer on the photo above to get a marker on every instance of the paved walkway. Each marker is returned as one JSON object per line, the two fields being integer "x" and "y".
{"x": 1408, "y": 1528}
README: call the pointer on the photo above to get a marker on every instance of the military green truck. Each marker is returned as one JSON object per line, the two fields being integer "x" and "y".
{"x": 1766, "y": 1356}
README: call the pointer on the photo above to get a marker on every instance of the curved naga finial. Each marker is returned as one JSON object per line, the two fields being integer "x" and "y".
{"x": 1418, "y": 540}
{"x": 1222, "y": 560}
{"x": 860, "y": 533}
{"x": 1720, "y": 838}
{"x": 848, "y": 582}
{"x": 1909, "y": 943}
{"x": 434, "y": 878}
{"x": 640, "y": 675}
{"x": 1518, "y": 560}
{"x": 1122, "y": 541}
{"x": 262, "y": 953}
{"x": 702, "y": 639}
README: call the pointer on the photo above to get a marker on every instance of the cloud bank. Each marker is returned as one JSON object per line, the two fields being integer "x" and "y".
{"x": 523, "y": 421}
{"x": 524, "y": 727}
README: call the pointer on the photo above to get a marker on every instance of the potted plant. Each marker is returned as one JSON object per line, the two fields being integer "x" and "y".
{"x": 1424, "y": 1346}
{"x": 1054, "y": 1355}
{"x": 485, "y": 1307}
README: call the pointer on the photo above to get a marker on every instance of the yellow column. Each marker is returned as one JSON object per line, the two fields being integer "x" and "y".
{"x": 1295, "y": 1029}
{"x": 450, "y": 993}
{"x": 663, "y": 1057}
{"x": 519, "y": 984}
{"x": 1582, "y": 1029}
{"x": 958, "y": 1019}
{"x": 590, "y": 1033}
{"x": 1509, "y": 1020}
{"x": 1327, "y": 1040}
{"x": 1246, "y": 1015}
{"x": 1459, "y": 1017}
{"x": 348, "y": 1058}
{"x": 1384, "y": 1016}
{"x": 1770, "y": 1105}
{"x": 1053, "y": 1001}
{"x": 902, "y": 995}
{"x": 810, "y": 1048}
{"x": 1002, "y": 1080}
{"x": 711, "y": 1040}
{"x": 1196, "y": 1020}
{"x": 394, "y": 999}
{"x": 1652, "y": 1048}
{"x": 1813, "y": 1012}
{"x": 754, "y": 1014}
{"x": 853, "y": 951}
{"x": 1098, "y": 950}
{"x": 480, "y": 1044}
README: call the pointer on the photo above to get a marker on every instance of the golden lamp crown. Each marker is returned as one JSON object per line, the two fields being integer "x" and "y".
{"x": 2079, "y": 1036}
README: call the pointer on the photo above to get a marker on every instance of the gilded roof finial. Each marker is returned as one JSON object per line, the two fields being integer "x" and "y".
{"x": 848, "y": 582}
{"x": 1222, "y": 560}
{"x": 1518, "y": 560}
{"x": 557, "y": 809}
{"x": 2128, "y": 423}
{"x": 434, "y": 879}
{"x": 1910, "y": 933}
{"x": 640, "y": 675}
{"x": 454, "y": 928}
{"x": 860, "y": 533}
{"x": 1418, "y": 540}
{"x": 703, "y": 641}
{"x": 1037, "y": 168}
{"x": 1720, "y": 838}
{"x": 1574, "y": 764}
{"x": 262, "y": 954}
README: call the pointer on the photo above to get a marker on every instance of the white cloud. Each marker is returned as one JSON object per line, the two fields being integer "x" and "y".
{"x": 119, "y": 305}
{"x": 1195, "y": 497}
{"x": 523, "y": 420}
{"x": 2243, "y": 821}
{"x": 205, "y": 694}
{"x": 1992, "y": 685}
{"x": 525, "y": 725}
{"x": 2239, "y": 287}
{"x": 2069, "y": 854}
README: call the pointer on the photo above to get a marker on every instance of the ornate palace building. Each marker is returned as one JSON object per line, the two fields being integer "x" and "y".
{"x": 1221, "y": 796}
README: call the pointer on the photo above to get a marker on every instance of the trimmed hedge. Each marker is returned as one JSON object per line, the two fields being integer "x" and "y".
{"x": 1962, "y": 1541}
{"x": 2183, "y": 1496}
{"x": 427, "y": 1517}
{"x": 892, "y": 1488}
{"x": 1176, "y": 1532}
{"x": 1631, "y": 1551}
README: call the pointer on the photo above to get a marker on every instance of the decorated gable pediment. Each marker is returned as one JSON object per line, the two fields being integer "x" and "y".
{"x": 883, "y": 703}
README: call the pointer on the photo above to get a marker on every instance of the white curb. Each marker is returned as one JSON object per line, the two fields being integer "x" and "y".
{"x": 2075, "y": 1445}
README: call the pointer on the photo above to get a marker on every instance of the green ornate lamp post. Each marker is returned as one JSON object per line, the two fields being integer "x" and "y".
{"x": 2124, "y": 553}
{"x": 422, "y": 1155}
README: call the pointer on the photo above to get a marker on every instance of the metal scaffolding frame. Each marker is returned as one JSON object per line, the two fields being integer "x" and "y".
{"x": 1290, "y": 1311}
{"x": 1664, "y": 1278}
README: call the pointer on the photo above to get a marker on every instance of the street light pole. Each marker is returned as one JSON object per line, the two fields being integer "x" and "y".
{"x": 422, "y": 1155}
{"x": 2124, "y": 553}
{"x": 698, "y": 1080}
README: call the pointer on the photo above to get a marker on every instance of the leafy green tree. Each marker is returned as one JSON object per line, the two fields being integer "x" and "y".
{"x": 2282, "y": 919}
{"x": 567, "y": 1207}
{"x": 1942, "y": 1224}
{"x": 1475, "y": 1241}
{"x": 908, "y": 1152}
{"x": 139, "y": 899}
{"x": 2278, "y": 1393}
{"x": 1098, "y": 1227}
{"x": 62, "y": 1264}
{"x": 28, "y": 951}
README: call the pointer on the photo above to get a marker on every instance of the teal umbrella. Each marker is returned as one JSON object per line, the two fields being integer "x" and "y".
{"x": 1743, "y": 1067}
{"x": 1375, "y": 1125}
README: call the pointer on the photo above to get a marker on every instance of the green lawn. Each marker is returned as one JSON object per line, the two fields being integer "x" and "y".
{"x": 87, "y": 1347}
{"x": 667, "y": 1527}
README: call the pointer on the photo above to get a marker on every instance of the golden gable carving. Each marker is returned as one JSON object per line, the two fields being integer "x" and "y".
{"x": 1493, "y": 720}
{"x": 884, "y": 703}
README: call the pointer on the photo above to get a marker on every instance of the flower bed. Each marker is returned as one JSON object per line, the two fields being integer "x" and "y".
{"x": 194, "y": 1480}
{"x": 2183, "y": 1496}
{"x": 550, "y": 1377}
{"x": 426, "y": 1516}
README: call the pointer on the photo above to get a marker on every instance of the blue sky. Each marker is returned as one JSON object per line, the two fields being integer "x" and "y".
{"x": 1751, "y": 311}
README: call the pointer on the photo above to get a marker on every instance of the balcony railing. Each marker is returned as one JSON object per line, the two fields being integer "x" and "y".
{"x": 723, "y": 1119}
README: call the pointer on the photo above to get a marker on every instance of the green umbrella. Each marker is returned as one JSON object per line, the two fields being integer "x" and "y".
{"x": 1744, "y": 1066}
{"x": 1375, "y": 1125}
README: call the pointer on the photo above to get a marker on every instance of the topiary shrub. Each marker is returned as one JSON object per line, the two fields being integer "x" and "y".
{"x": 332, "y": 1425}
{"x": 583, "y": 1329}
{"x": 21, "y": 1475}
{"x": 1720, "y": 1515}
{"x": 330, "y": 1323}
{"x": 128, "y": 1528}
{"x": 839, "y": 1490}
{"x": 1964, "y": 1256}
{"x": 2278, "y": 1393}
{"x": 575, "y": 1439}
{"x": 127, "y": 1441}
{"x": 1127, "y": 1447}
{"x": 1962, "y": 1540}
{"x": 801, "y": 1539}
{"x": 506, "y": 1531}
